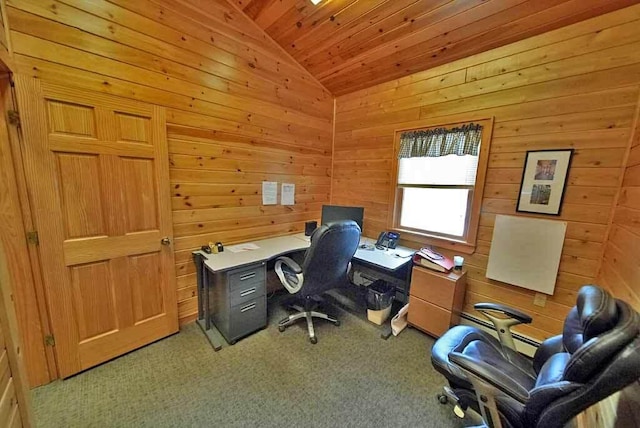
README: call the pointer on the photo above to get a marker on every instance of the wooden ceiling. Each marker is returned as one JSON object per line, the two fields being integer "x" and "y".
{"x": 353, "y": 44}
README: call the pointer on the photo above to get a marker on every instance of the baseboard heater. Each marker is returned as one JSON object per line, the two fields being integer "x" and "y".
{"x": 486, "y": 325}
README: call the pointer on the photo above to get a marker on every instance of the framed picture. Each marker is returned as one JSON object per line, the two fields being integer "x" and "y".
{"x": 543, "y": 181}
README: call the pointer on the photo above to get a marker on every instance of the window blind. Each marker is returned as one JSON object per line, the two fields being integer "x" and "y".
{"x": 450, "y": 170}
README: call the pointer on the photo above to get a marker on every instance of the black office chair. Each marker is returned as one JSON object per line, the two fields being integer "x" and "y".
{"x": 597, "y": 354}
{"x": 325, "y": 266}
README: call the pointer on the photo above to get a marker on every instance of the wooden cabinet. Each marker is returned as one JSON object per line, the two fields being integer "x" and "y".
{"x": 435, "y": 300}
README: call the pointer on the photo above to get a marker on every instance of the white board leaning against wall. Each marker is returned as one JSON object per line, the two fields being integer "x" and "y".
{"x": 526, "y": 252}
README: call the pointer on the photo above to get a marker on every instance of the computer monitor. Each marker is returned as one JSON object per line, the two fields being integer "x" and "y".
{"x": 335, "y": 213}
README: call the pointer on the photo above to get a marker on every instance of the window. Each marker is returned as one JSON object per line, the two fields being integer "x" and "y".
{"x": 440, "y": 175}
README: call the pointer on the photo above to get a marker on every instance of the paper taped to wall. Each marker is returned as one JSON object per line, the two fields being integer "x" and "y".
{"x": 269, "y": 192}
{"x": 288, "y": 194}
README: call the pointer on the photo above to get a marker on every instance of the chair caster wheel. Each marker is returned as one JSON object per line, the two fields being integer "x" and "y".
{"x": 337, "y": 323}
{"x": 313, "y": 340}
{"x": 281, "y": 328}
{"x": 443, "y": 399}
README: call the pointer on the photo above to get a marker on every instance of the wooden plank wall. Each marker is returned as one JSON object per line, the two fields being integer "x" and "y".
{"x": 15, "y": 399}
{"x": 576, "y": 87}
{"x": 239, "y": 109}
{"x": 5, "y": 47}
{"x": 353, "y": 44}
{"x": 620, "y": 266}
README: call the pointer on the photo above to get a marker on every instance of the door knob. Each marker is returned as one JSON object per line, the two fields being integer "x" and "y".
{"x": 165, "y": 241}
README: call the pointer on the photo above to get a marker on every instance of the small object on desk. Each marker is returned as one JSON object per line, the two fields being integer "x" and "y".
{"x": 431, "y": 259}
{"x": 403, "y": 256}
{"x": 239, "y": 248}
{"x": 457, "y": 262}
{"x": 387, "y": 240}
{"x": 310, "y": 227}
{"x": 367, "y": 247}
{"x": 206, "y": 249}
{"x": 214, "y": 247}
{"x": 220, "y": 247}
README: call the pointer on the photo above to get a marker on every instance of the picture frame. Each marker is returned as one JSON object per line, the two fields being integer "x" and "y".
{"x": 544, "y": 179}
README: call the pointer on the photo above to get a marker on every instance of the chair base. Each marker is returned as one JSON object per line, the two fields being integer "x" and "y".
{"x": 460, "y": 406}
{"x": 308, "y": 315}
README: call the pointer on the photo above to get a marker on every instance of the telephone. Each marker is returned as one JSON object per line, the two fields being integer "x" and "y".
{"x": 387, "y": 240}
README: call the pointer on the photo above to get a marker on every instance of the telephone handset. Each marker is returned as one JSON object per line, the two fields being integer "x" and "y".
{"x": 387, "y": 240}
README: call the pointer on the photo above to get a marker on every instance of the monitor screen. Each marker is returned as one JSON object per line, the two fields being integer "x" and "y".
{"x": 335, "y": 212}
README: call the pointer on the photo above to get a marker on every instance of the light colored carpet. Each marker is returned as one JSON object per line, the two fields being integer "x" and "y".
{"x": 351, "y": 378}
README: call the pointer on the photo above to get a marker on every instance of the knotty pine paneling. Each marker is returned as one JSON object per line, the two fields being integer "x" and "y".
{"x": 239, "y": 110}
{"x": 6, "y": 62}
{"x": 15, "y": 401}
{"x": 216, "y": 191}
{"x": 353, "y": 44}
{"x": 4, "y": 45}
{"x": 576, "y": 87}
{"x": 620, "y": 265}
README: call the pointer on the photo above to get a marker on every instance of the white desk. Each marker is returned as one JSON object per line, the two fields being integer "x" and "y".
{"x": 213, "y": 268}
{"x": 269, "y": 248}
{"x": 392, "y": 261}
{"x": 388, "y": 259}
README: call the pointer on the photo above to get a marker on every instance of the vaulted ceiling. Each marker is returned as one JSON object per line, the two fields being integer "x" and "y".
{"x": 352, "y": 44}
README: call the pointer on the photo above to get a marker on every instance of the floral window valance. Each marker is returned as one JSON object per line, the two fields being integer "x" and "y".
{"x": 464, "y": 140}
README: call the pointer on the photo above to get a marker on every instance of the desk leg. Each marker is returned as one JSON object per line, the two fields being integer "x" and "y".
{"x": 212, "y": 334}
{"x": 407, "y": 282}
{"x": 199, "y": 262}
{"x": 205, "y": 290}
{"x": 387, "y": 332}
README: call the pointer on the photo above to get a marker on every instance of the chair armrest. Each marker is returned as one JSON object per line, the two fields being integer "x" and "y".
{"x": 513, "y": 313}
{"x": 295, "y": 267}
{"x": 489, "y": 375}
{"x": 503, "y": 325}
{"x": 289, "y": 273}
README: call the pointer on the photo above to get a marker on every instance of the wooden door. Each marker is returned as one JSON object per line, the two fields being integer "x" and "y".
{"x": 98, "y": 173}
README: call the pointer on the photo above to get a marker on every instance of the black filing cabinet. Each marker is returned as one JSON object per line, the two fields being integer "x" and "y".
{"x": 238, "y": 301}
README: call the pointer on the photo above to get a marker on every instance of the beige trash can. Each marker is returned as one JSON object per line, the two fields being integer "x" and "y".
{"x": 378, "y": 317}
{"x": 380, "y": 295}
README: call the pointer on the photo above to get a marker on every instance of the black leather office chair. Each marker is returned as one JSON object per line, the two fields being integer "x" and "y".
{"x": 325, "y": 266}
{"x": 597, "y": 354}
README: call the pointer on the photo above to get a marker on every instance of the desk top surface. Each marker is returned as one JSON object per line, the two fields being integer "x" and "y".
{"x": 273, "y": 247}
{"x": 391, "y": 259}
{"x": 267, "y": 249}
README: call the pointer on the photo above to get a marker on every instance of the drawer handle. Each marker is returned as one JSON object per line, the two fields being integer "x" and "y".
{"x": 247, "y": 292}
{"x": 248, "y": 276}
{"x": 248, "y": 307}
